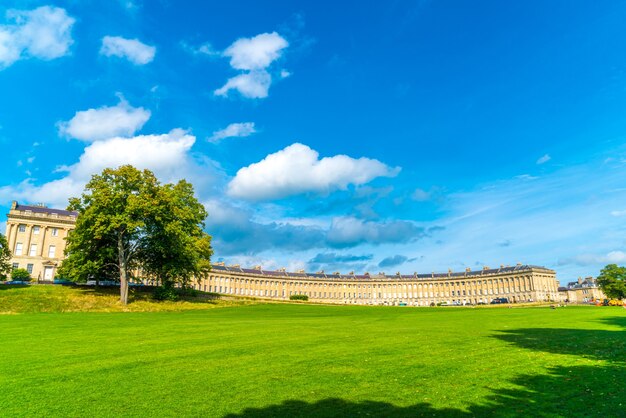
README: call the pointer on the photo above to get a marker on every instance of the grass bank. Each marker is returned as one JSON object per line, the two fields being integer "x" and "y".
{"x": 315, "y": 361}
{"x": 47, "y": 298}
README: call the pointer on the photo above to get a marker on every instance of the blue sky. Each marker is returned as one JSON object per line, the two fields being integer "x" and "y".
{"x": 381, "y": 136}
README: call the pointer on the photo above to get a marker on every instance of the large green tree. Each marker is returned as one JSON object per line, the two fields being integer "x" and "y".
{"x": 175, "y": 248}
{"x": 129, "y": 222}
{"x": 5, "y": 257}
{"x": 612, "y": 281}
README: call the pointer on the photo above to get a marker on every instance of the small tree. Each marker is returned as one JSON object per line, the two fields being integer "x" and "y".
{"x": 612, "y": 281}
{"x": 21, "y": 275}
{"x": 5, "y": 257}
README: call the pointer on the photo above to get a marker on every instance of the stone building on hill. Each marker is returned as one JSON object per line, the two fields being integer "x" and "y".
{"x": 36, "y": 236}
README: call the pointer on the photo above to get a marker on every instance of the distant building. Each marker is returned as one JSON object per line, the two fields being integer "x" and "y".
{"x": 36, "y": 236}
{"x": 583, "y": 291}
{"x": 520, "y": 283}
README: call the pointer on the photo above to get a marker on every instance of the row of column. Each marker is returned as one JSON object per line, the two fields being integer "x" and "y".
{"x": 12, "y": 231}
{"x": 521, "y": 286}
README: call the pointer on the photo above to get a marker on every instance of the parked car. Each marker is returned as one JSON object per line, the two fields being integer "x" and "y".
{"x": 499, "y": 300}
{"x": 102, "y": 283}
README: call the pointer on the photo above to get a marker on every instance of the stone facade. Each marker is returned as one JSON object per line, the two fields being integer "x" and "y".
{"x": 520, "y": 283}
{"x": 584, "y": 291}
{"x": 36, "y": 236}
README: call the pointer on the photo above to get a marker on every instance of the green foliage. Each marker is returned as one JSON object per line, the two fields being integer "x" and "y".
{"x": 166, "y": 293}
{"x": 612, "y": 281}
{"x": 299, "y": 297}
{"x": 21, "y": 274}
{"x": 129, "y": 221}
{"x": 175, "y": 248}
{"x": 5, "y": 257}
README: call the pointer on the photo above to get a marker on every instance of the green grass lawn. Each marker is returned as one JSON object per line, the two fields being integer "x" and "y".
{"x": 315, "y": 361}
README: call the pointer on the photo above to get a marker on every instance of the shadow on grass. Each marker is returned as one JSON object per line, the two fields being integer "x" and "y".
{"x": 581, "y": 391}
{"x": 12, "y": 286}
{"x": 146, "y": 293}
{"x": 586, "y": 343}
{"x": 577, "y": 391}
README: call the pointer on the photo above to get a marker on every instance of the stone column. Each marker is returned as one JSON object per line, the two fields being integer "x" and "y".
{"x": 16, "y": 227}
{"x": 43, "y": 231}
{"x": 8, "y": 234}
{"x": 29, "y": 232}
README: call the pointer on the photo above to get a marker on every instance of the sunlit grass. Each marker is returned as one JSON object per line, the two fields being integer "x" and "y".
{"x": 46, "y": 298}
{"x": 315, "y": 361}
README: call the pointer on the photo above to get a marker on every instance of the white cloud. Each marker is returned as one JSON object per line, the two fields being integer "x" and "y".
{"x": 544, "y": 159}
{"x": 204, "y": 49}
{"x": 167, "y": 155}
{"x": 613, "y": 257}
{"x": 254, "y": 56}
{"x": 256, "y": 53}
{"x": 420, "y": 195}
{"x": 298, "y": 169}
{"x": 350, "y": 231}
{"x": 284, "y": 74}
{"x": 105, "y": 122}
{"x": 129, "y": 5}
{"x": 43, "y": 33}
{"x": 234, "y": 130}
{"x": 253, "y": 85}
{"x": 526, "y": 177}
{"x": 132, "y": 49}
{"x": 618, "y": 213}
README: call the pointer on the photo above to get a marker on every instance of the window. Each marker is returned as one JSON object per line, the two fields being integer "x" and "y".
{"x": 21, "y": 228}
{"x": 55, "y": 232}
{"x": 16, "y": 266}
{"x": 51, "y": 251}
{"x": 18, "y": 248}
{"x": 29, "y": 268}
{"x": 35, "y": 230}
{"x": 33, "y": 250}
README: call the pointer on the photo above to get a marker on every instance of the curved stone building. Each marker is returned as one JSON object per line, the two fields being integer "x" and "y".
{"x": 520, "y": 283}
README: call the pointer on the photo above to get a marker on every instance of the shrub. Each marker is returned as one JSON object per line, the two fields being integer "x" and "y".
{"x": 165, "y": 293}
{"x": 299, "y": 297}
{"x": 190, "y": 291}
{"x": 21, "y": 274}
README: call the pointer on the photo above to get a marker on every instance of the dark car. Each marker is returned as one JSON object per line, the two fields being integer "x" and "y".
{"x": 499, "y": 300}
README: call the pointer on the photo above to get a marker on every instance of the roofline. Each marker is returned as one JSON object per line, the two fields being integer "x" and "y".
{"x": 380, "y": 276}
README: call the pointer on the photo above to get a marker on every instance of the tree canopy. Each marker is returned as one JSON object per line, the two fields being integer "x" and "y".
{"x": 5, "y": 257}
{"x": 129, "y": 222}
{"x": 612, "y": 281}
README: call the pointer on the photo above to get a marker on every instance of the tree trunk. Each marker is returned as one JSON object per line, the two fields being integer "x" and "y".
{"x": 122, "y": 258}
